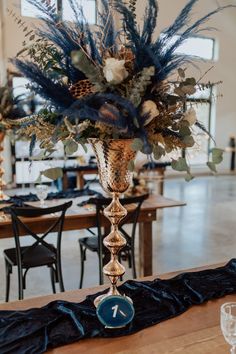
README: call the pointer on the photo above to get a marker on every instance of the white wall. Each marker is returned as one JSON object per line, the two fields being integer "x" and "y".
{"x": 224, "y": 68}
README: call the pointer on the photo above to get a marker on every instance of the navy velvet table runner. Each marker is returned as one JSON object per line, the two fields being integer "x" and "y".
{"x": 61, "y": 322}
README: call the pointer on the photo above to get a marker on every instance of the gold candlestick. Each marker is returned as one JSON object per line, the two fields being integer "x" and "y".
{"x": 113, "y": 157}
{"x": 2, "y": 171}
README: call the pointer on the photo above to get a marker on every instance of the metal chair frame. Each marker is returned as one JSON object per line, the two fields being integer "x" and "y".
{"x": 19, "y": 253}
{"x": 128, "y": 250}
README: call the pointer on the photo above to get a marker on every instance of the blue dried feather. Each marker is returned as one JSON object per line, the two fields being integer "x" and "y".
{"x": 56, "y": 93}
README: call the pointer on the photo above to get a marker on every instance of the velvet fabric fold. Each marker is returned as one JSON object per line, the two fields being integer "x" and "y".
{"x": 62, "y": 322}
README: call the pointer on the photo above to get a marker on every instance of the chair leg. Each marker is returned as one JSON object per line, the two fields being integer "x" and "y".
{"x": 101, "y": 278}
{"x": 8, "y": 268}
{"x": 52, "y": 276}
{"x": 59, "y": 274}
{"x": 133, "y": 262}
{"x": 20, "y": 283}
{"x": 82, "y": 259}
{"x": 129, "y": 259}
{"x": 24, "y": 278}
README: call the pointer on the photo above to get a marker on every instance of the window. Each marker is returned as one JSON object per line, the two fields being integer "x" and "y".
{"x": 202, "y": 47}
{"x": 88, "y": 6}
{"x": 202, "y": 103}
{"x": 199, "y": 46}
{"x": 29, "y": 10}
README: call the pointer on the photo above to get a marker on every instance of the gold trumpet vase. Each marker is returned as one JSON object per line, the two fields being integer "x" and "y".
{"x": 2, "y": 183}
{"x": 113, "y": 157}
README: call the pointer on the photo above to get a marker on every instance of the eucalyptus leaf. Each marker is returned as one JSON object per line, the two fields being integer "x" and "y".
{"x": 140, "y": 84}
{"x": 70, "y": 147}
{"x": 188, "y": 177}
{"x": 158, "y": 152}
{"x": 52, "y": 173}
{"x": 131, "y": 166}
{"x": 190, "y": 81}
{"x": 39, "y": 179}
{"x": 188, "y": 89}
{"x": 137, "y": 144}
{"x": 188, "y": 141}
{"x": 217, "y": 155}
{"x": 40, "y": 156}
{"x": 212, "y": 166}
{"x": 179, "y": 91}
{"x": 185, "y": 131}
{"x": 180, "y": 165}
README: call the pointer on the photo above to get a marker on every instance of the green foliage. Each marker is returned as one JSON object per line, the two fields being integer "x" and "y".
{"x": 132, "y": 7}
{"x": 212, "y": 166}
{"x": 185, "y": 87}
{"x": 139, "y": 85}
{"x": 158, "y": 152}
{"x": 216, "y": 158}
{"x": 131, "y": 166}
{"x": 137, "y": 144}
{"x": 39, "y": 50}
{"x": 186, "y": 134}
{"x": 182, "y": 166}
{"x": 70, "y": 146}
{"x": 52, "y": 173}
{"x": 217, "y": 155}
{"x": 82, "y": 62}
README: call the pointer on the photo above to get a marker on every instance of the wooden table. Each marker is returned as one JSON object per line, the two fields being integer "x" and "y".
{"x": 156, "y": 167}
{"x": 78, "y": 218}
{"x": 197, "y": 331}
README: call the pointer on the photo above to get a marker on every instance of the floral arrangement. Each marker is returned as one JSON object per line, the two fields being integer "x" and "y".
{"x": 9, "y": 108}
{"x": 111, "y": 83}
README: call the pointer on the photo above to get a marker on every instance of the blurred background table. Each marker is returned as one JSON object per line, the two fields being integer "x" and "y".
{"x": 80, "y": 171}
{"x": 78, "y": 218}
{"x": 154, "y": 172}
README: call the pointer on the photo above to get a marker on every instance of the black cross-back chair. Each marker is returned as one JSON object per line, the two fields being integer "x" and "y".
{"x": 39, "y": 253}
{"x": 95, "y": 243}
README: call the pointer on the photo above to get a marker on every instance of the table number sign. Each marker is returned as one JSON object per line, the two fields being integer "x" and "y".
{"x": 115, "y": 311}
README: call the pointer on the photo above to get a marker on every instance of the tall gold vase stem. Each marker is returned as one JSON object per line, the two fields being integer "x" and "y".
{"x": 113, "y": 157}
{"x": 115, "y": 212}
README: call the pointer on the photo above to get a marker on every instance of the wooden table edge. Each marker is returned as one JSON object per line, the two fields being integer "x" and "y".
{"x": 79, "y": 295}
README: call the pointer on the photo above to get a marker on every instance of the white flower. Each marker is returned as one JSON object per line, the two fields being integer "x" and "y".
{"x": 149, "y": 108}
{"x": 114, "y": 70}
{"x": 190, "y": 116}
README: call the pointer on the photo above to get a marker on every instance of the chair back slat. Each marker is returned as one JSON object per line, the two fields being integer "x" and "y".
{"x": 17, "y": 213}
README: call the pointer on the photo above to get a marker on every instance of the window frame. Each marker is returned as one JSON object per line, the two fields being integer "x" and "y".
{"x": 213, "y": 56}
{"x": 59, "y": 8}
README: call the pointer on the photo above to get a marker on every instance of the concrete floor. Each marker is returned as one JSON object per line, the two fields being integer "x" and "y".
{"x": 203, "y": 232}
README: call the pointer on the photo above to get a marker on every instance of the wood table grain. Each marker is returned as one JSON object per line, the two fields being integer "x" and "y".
{"x": 197, "y": 331}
